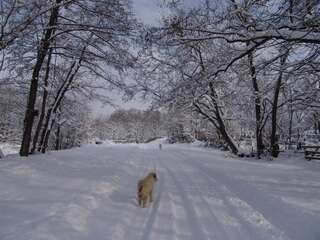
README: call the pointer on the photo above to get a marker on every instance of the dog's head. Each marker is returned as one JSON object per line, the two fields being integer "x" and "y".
{"x": 154, "y": 175}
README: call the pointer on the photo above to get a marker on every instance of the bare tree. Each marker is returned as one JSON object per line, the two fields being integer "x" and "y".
{"x": 204, "y": 48}
{"x": 66, "y": 31}
{"x": 42, "y": 52}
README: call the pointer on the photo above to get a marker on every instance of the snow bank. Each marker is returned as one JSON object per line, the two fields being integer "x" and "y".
{"x": 8, "y": 148}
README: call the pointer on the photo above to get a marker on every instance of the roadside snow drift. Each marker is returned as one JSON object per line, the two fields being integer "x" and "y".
{"x": 90, "y": 193}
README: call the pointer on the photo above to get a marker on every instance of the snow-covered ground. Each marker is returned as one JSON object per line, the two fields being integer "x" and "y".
{"x": 90, "y": 193}
{"x": 7, "y": 148}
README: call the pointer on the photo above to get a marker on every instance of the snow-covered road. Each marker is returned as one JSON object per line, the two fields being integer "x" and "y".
{"x": 89, "y": 193}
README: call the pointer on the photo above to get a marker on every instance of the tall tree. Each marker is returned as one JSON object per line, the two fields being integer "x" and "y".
{"x": 110, "y": 24}
{"x": 42, "y": 52}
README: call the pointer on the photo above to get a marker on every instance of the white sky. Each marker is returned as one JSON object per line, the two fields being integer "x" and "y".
{"x": 150, "y": 13}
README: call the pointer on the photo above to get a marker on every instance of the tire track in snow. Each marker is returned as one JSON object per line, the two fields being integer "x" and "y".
{"x": 252, "y": 224}
{"x": 210, "y": 205}
{"x": 120, "y": 203}
{"x": 185, "y": 209}
{"x": 219, "y": 206}
{"x": 130, "y": 216}
{"x": 257, "y": 226}
{"x": 139, "y": 223}
{"x": 273, "y": 214}
{"x": 152, "y": 216}
{"x": 159, "y": 224}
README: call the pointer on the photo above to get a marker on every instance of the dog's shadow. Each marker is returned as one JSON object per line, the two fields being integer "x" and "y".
{"x": 124, "y": 197}
{"x": 127, "y": 198}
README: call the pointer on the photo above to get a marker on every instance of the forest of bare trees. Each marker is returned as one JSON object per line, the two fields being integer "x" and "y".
{"x": 233, "y": 68}
{"x": 133, "y": 125}
{"x": 54, "y": 55}
{"x": 246, "y": 65}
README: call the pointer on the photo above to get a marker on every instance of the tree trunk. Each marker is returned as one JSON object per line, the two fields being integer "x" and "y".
{"x": 57, "y": 144}
{"x": 218, "y": 121}
{"x": 42, "y": 52}
{"x": 257, "y": 105}
{"x": 226, "y": 137}
{"x": 1, "y": 154}
{"x": 45, "y": 128}
{"x": 291, "y": 112}
{"x": 221, "y": 125}
{"x": 57, "y": 102}
{"x": 43, "y": 105}
{"x": 46, "y": 137}
{"x": 273, "y": 141}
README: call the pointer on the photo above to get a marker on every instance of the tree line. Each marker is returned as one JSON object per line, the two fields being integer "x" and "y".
{"x": 246, "y": 65}
{"x": 54, "y": 54}
{"x": 132, "y": 125}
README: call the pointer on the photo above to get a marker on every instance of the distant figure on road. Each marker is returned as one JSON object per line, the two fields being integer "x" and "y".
{"x": 160, "y": 146}
{"x": 299, "y": 146}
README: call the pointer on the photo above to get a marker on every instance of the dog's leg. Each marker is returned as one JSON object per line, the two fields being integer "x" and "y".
{"x": 145, "y": 201}
{"x": 150, "y": 197}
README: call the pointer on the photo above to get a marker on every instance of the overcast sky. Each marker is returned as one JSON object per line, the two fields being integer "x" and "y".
{"x": 150, "y": 13}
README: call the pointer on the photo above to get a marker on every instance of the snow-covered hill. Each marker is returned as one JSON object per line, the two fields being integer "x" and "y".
{"x": 89, "y": 193}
